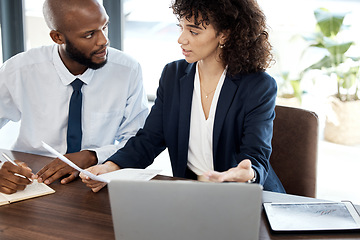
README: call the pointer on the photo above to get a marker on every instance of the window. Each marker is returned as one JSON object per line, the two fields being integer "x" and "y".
{"x": 150, "y": 36}
{"x": 36, "y": 30}
{"x": 1, "y": 55}
{"x": 150, "y": 33}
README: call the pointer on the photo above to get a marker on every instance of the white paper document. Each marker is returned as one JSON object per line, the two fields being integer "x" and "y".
{"x": 130, "y": 174}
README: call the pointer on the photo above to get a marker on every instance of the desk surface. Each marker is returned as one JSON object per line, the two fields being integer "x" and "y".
{"x": 74, "y": 212}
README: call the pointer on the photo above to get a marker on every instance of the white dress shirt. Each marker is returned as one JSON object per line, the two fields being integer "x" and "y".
{"x": 200, "y": 154}
{"x": 35, "y": 88}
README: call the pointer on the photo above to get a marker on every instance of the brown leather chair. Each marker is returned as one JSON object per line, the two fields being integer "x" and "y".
{"x": 295, "y": 144}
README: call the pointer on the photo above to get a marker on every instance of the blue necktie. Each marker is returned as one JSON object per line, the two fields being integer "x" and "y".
{"x": 74, "y": 132}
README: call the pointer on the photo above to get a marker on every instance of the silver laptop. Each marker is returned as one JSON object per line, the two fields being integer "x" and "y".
{"x": 185, "y": 210}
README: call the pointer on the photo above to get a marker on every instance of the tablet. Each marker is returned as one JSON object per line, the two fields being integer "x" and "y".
{"x": 312, "y": 216}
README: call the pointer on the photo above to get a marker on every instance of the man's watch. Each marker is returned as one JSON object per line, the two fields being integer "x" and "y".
{"x": 253, "y": 179}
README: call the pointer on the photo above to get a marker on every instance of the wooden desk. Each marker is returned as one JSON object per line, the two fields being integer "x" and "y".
{"x": 74, "y": 212}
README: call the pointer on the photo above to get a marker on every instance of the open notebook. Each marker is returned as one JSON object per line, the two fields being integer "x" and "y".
{"x": 33, "y": 190}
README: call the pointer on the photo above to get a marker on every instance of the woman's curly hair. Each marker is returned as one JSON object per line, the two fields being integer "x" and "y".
{"x": 247, "y": 48}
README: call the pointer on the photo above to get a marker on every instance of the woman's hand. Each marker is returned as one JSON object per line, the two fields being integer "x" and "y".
{"x": 97, "y": 170}
{"x": 242, "y": 173}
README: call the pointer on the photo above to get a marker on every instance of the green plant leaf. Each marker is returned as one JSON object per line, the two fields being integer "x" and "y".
{"x": 336, "y": 48}
{"x": 285, "y": 75}
{"x": 295, "y": 84}
{"x": 314, "y": 37}
{"x": 334, "y": 61}
{"x": 325, "y": 62}
{"x": 348, "y": 79}
{"x": 329, "y": 23}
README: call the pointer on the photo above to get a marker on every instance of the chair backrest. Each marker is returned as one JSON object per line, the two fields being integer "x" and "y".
{"x": 295, "y": 144}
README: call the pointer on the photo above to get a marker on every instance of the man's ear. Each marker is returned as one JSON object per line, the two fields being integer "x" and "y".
{"x": 57, "y": 37}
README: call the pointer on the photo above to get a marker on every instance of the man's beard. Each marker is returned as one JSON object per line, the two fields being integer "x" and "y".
{"x": 79, "y": 57}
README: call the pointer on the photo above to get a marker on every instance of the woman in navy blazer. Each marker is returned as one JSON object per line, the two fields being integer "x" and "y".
{"x": 214, "y": 110}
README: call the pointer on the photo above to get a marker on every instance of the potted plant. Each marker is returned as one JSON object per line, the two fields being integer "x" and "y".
{"x": 343, "y": 123}
{"x": 289, "y": 90}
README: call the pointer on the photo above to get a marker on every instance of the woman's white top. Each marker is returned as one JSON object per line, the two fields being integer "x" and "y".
{"x": 200, "y": 154}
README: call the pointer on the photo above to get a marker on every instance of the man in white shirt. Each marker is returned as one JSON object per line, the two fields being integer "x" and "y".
{"x": 35, "y": 87}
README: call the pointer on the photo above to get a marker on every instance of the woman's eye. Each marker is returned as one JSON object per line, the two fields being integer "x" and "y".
{"x": 180, "y": 27}
{"x": 193, "y": 33}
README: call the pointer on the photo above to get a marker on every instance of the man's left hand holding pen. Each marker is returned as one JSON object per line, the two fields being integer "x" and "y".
{"x": 14, "y": 175}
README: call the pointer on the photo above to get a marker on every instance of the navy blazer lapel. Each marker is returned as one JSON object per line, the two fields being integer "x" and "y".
{"x": 186, "y": 84}
{"x": 226, "y": 97}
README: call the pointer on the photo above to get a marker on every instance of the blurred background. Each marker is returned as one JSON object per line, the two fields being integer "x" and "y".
{"x": 305, "y": 70}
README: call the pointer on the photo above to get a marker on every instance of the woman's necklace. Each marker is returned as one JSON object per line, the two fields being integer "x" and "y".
{"x": 207, "y": 94}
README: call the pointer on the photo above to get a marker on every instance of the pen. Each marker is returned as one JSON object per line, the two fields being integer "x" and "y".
{"x": 73, "y": 165}
{"x": 8, "y": 159}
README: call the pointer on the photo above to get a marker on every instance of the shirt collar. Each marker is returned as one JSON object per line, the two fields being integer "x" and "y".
{"x": 65, "y": 75}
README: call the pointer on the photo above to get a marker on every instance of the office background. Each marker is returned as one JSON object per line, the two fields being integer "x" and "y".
{"x": 147, "y": 30}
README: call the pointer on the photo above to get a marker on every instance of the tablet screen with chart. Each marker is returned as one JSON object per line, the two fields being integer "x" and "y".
{"x": 312, "y": 216}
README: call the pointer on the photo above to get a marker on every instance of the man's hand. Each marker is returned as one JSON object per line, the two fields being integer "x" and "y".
{"x": 241, "y": 173}
{"x": 96, "y": 170}
{"x": 57, "y": 168}
{"x": 9, "y": 182}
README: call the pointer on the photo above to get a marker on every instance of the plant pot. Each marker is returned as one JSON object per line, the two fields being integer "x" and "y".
{"x": 342, "y": 125}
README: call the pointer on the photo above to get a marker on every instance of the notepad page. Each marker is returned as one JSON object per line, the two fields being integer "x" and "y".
{"x": 35, "y": 189}
{"x": 3, "y": 200}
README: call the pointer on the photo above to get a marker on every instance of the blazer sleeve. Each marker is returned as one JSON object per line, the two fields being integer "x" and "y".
{"x": 258, "y": 125}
